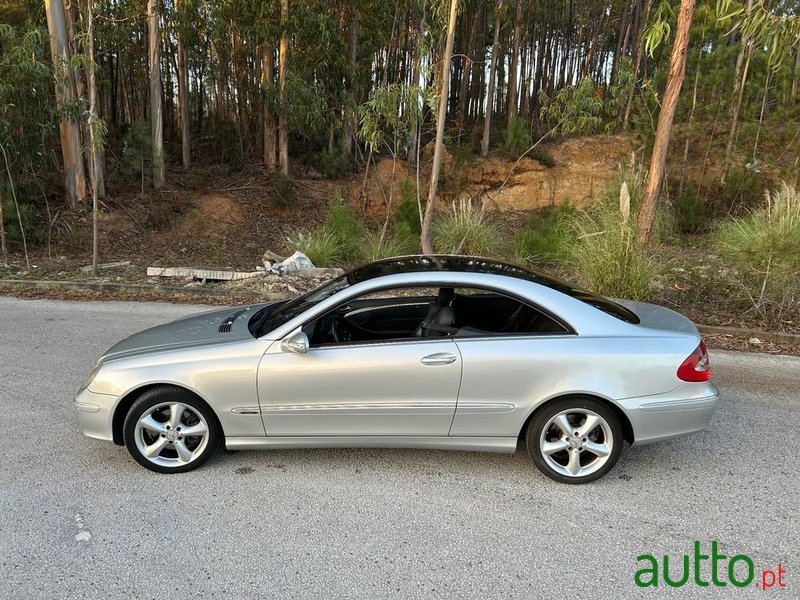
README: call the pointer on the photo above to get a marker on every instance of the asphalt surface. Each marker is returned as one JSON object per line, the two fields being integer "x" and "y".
{"x": 80, "y": 519}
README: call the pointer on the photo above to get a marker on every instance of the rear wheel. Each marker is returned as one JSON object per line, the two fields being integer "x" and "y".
{"x": 170, "y": 430}
{"x": 574, "y": 440}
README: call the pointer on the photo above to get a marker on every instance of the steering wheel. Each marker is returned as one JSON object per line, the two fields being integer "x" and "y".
{"x": 336, "y": 328}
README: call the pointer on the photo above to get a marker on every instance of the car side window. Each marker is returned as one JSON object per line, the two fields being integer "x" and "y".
{"x": 381, "y": 316}
{"x": 409, "y": 313}
{"x": 480, "y": 312}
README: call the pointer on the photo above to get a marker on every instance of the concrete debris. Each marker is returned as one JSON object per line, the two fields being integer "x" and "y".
{"x": 206, "y": 274}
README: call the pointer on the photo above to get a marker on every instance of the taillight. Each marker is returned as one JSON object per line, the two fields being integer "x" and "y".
{"x": 696, "y": 367}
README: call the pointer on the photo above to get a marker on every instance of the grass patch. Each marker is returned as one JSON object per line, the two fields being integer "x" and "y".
{"x": 544, "y": 237}
{"x": 765, "y": 247}
{"x": 601, "y": 245}
{"x": 398, "y": 243}
{"x": 342, "y": 223}
{"x": 321, "y": 246}
{"x": 467, "y": 230}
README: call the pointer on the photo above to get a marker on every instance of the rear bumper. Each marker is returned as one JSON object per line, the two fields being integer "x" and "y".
{"x": 687, "y": 410}
{"x": 95, "y": 413}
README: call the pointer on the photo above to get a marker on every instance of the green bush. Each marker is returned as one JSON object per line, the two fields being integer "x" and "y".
{"x": 543, "y": 237}
{"x": 693, "y": 213}
{"x": 544, "y": 157}
{"x": 400, "y": 243}
{"x": 281, "y": 190}
{"x": 463, "y": 153}
{"x": 765, "y": 246}
{"x": 467, "y": 230}
{"x": 333, "y": 165}
{"x": 340, "y": 239}
{"x": 602, "y": 249}
{"x": 742, "y": 192}
{"x": 137, "y": 149}
{"x": 27, "y": 213}
{"x": 343, "y": 223}
{"x": 517, "y": 138}
{"x": 321, "y": 245}
{"x": 406, "y": 215}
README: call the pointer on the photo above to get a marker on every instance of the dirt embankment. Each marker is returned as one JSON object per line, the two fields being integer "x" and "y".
{"x": 583, "y": 167}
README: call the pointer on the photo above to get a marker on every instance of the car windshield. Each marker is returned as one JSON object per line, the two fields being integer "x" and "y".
{"x": 270, "y": 318}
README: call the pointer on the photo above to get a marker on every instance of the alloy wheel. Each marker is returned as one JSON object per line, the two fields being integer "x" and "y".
{"x": 171, "y": 434}
{"x": 576, "y": 442}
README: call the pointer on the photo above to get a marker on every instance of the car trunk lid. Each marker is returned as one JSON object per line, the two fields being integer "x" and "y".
{"x": 660, "y": 318}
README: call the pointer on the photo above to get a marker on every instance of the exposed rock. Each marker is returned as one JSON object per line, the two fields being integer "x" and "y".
{"x": 584, "y": 166}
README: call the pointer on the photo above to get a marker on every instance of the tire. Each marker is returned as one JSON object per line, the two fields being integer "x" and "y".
{"x": 156, "y": 428}
{"x": 565, "y": 457}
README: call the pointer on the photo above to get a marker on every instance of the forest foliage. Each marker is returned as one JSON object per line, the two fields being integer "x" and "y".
{"x": 334, "y": 84}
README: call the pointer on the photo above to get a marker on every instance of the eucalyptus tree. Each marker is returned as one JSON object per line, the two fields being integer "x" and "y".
{"x": 760, "y": 24}
{"x": 487, "y": 119}
{"x": 66, "y": 102}
{"x": 28, "y": 118}
{"x": 666, "y": 116}
{"x": 389, "y": 121}
{"x": 182, "y": 25}
{"x": 283, "y": 133}
{"x": 441, "y": 116}
{"x": 511, "y": 110}
{"x": 156, "y": 117}
{"x": 95, "y": 135}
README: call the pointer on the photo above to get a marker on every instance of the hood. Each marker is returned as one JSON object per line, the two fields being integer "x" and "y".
{"x": 214, "y": 327}
{"x": 653, "y": 316}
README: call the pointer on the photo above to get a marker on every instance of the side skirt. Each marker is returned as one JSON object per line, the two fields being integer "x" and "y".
{"x": 505, "y": 445}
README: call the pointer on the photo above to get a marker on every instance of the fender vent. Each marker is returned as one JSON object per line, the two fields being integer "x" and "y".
{"x": 227, "y": 324}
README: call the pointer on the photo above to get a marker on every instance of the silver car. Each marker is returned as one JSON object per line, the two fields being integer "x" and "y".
{"x": 415, "y": 352}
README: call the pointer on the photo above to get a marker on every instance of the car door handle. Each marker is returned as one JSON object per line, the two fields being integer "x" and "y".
{"x": 440, "y": 358}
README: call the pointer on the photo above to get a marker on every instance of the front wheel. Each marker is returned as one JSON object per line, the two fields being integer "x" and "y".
{"x": 170, "y": 430}
{"x": 574, "y": 440}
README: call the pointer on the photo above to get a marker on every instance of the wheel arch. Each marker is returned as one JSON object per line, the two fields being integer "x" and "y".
{"x": 127, "y": 400}
{"x": 624, "y": 421}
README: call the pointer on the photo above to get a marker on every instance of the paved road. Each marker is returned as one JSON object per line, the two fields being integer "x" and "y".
{"x": 79, "y": 519}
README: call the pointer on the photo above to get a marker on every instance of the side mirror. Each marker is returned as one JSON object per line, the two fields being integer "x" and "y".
{"x": 296, "y": 342}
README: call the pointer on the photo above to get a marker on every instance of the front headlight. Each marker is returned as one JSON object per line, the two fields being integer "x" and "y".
{"x": 90, "y": 378}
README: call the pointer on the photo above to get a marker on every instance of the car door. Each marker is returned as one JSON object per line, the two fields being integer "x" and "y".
{"x": 383, "y": 388}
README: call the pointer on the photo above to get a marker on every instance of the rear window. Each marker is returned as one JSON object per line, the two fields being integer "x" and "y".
{"x": 608, "y": 307}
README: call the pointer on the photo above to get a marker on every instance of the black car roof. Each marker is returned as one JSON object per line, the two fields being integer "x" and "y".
{"x": 453, "y": 263}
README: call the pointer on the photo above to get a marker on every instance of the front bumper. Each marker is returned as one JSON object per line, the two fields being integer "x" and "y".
{"x": 95, "y": 413}
{"x": 686, "y": 410}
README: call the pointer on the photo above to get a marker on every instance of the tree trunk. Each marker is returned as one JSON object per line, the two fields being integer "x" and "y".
{"x": 441, "y": 117}
{"x": 3, "y": 247}
{"x": 763, "y": 107}
{"x": 512, "y": 69}
{"x": 268, "y": 88}
{"x": 349, "y": 116}
{"x": 156, "y": 124}
{"x": 487, "y": 121}
{"x": 74, "y": 174}
{"x": 94, "y": 143}
{"x": 666, "y": 116}
{"x": 183, "y": 100}
{"x": 638, "y": 42}
{"x": 466, "y": 72}
{"x": 743, "y": 65}
{"x": 795, "y": 78}
{"x": 691, "y": 120}
{"x": 283, "y": 134}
